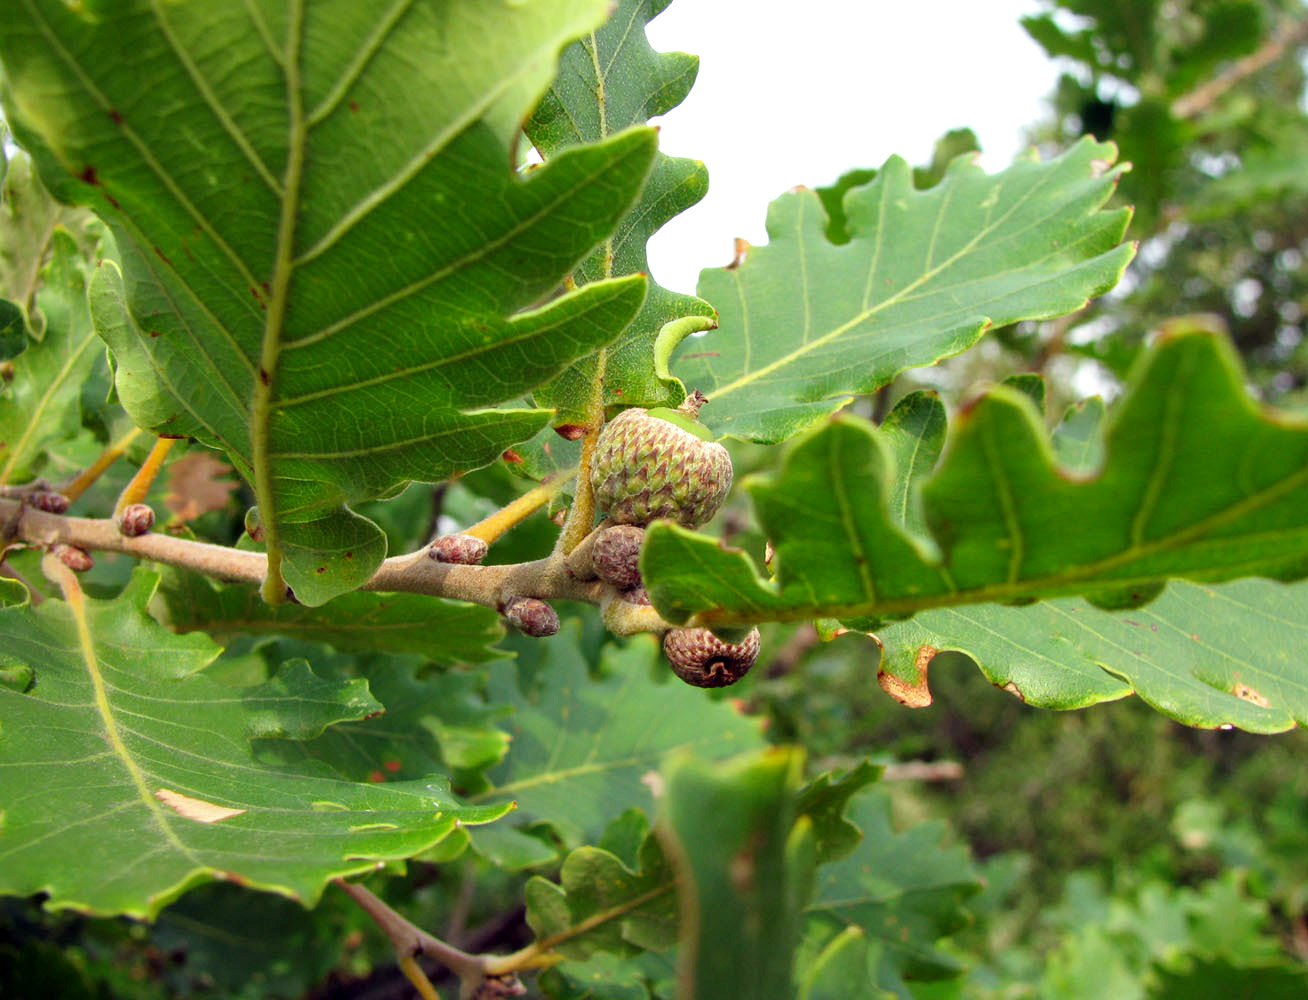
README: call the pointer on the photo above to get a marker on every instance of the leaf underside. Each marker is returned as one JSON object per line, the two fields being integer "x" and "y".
{"x": 264, "y": 259}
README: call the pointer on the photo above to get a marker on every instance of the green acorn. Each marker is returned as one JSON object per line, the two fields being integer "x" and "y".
{"x": 660, "y": 463}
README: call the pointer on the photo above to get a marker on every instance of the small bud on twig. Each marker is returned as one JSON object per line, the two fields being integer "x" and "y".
{"x": 616, "y": 555}
{"x": 531, "y": 616}
{"x": 48, "y": 501}
{"x": 136, "y": 519}
{"x": 78, "y": 560}
{"x": 252, "y": 526}
{"x": 463, "y": 550}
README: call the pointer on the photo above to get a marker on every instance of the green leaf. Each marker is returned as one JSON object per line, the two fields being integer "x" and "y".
{"x": 29, "y": 219}
{"x": 915, "y": 434}
{"x": 601, "y": 904}
{"x": 904, "y": 890}
{"x": 1221, "y": 980}
{"x": 840, "y": 971}
{"x": 581, "y": 747}
{"x": 434, "y": 724}
{"x": 258, "y": 279}
{"x": 602, "y": 978}
{"x": 1078, "y": 440}
{"x": 1212, "y": 656}
{"x": 805, "y": 324}
{"x": 1196, "y": 482}
{"x": 825, "y": 800}
{"x": 13, "y": 330}
{"x": 42, "y": 405}
{"x": 446, "y": 633}
{"x": 745, "y": 868}
{"x": 609, "y": 80}
{"x": 130, "y": 775}
{"x": 240, "y": 944}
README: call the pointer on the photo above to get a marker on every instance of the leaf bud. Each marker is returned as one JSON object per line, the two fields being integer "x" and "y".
{"x": 48, "y": 501}
{"x": 136, "y": 519}
{"x": 78, "y": 560}
{"x": 700, "y": 658}
{"x": 463, "y": 550}
{"x": 252, "y": 526}
{"x": 531, "y": 616}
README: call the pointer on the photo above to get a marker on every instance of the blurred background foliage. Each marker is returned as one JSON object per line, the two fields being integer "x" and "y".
{"x": 1121, "y": 854}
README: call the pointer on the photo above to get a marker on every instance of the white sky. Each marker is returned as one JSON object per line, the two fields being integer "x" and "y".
{"x": 799, "y": 92}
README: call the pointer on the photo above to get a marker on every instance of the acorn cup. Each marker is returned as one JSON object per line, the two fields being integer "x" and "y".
{"x": 700, "y": 658}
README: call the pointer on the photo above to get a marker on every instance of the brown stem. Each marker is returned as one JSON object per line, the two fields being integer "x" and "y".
{"x": 410, "y": 940}
{"x": 415, "y": 573}
{"x": 1202, "y": 97}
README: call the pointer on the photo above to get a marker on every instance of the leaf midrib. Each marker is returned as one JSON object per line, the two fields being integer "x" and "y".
{"x": 77, "y": 605}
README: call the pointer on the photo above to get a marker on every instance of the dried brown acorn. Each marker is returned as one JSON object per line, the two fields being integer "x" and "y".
{"x": 700, "y": 658}
{"x": 660, "y": 463}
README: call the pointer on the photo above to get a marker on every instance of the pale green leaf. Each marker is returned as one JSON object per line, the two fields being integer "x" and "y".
{"x": 123, "y": 739}
{"x": 609, "y": 80}
{"x": 350, "y": 186}
{"x": 42, "y": 405}
{"x": 29, "y": 219}
{"x": 805, "y": 324}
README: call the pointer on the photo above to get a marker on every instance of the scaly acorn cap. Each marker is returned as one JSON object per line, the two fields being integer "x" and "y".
{"x": 659, "y": 463}
{"x": 700, "y": 658}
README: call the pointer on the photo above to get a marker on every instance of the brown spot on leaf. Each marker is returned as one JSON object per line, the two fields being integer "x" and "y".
{"x": 392, "y": 765}
{"x": 914, "y": 695}
{"x": 512, "y": 457}
{"x": 354, "y": 105}
{"x": 570, "y": 432}
{"x": 1012, "y": 689}
{"x": 89, "y": 175}
{"x": 263, "y": 376}
{"x": 376, "y": 777}
{"x": 116, "y": 115}
{"x": 702, "y": 354}
{"x": 196, "y": 809}
{"x": 321, "y": 569}
{"x": 741, "y": 251}
{"x": 162, "y": 256}
{"x": 1243, "y": 690}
